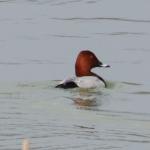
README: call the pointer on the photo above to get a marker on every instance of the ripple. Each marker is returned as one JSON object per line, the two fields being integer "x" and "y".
{"x": 125, "y": 140}
{"x": 91, "y": 1}
{"x": 132, "y": 83}
{"x": 137, "y": 50}
{"x": 65, "y": 2}
{"x": 140, "y": 117}
{"x": 83, "y": 127}
{"x": 102, "y": 18}
{"x": 11, "y": 63}
{"x": 142, "y": 92}
{"x": 122, "y": 33}
{"x": 6, "y": 1}
{"x": 29, "y": 62}
{"x": 68, "y": 36}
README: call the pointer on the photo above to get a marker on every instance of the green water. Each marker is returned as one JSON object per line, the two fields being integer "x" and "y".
{"x": 81, "y": 119}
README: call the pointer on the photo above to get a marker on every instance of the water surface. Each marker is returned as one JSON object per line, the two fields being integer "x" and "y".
{"x": 39, "y": 42}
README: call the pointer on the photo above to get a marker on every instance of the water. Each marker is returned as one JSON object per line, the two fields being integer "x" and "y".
{"x": 39, "y": 42}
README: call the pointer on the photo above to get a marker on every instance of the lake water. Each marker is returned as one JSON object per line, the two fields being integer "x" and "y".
{"x": 39, "y": 41}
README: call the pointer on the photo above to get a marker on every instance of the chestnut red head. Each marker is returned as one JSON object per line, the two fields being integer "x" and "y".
{"x": 86, "y": 60}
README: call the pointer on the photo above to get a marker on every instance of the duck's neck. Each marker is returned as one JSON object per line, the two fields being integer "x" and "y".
{"x": 81, "y": 73}
{"x": 100, "y": 78}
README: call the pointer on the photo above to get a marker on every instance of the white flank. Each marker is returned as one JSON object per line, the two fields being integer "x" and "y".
{"x": 88, "y": 82}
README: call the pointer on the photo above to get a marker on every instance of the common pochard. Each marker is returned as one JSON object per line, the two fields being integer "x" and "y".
{"x": 85, "y": 78}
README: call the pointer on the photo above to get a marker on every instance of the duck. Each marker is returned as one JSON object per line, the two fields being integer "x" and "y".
{"x": 85, "y": 78}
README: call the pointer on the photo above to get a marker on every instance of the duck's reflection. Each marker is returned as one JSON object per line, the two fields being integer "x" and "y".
{"x": 85, "y": 102}
{"x": 86, "y": 99}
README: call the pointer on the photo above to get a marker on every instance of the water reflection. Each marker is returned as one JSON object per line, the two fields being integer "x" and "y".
{"x": 88, "y": 99}
{"x": 92, "y": 99}
{"x": 85, "y": 102}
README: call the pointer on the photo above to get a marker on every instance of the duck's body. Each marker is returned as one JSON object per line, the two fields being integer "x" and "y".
{"x": 86, "y": 60}
{"x": 82, "y": 82}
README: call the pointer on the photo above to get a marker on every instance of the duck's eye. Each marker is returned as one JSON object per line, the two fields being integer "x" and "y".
{"x": 91, "y": 56}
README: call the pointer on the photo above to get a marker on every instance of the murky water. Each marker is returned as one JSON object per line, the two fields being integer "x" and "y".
{"x": 39, "y": 41}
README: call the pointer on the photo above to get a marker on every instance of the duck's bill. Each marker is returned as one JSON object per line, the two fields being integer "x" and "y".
{"x": 104, "y": 65}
